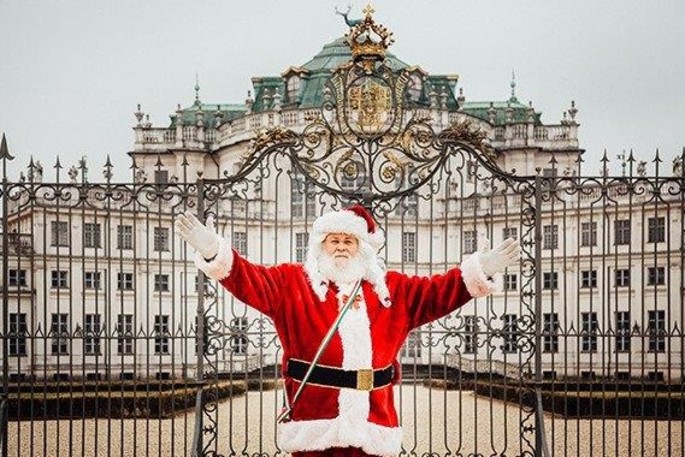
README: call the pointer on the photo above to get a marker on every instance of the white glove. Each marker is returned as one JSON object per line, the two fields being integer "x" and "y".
{"x": 199, "y": 236}
{"x": 501, "y": 257}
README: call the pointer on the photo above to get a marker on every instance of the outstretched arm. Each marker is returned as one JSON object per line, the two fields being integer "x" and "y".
{"x": 254, "y": 285}
{"x": 430, "y": 298}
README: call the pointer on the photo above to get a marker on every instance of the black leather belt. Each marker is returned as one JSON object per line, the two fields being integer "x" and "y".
{"x": 366, "y": 379}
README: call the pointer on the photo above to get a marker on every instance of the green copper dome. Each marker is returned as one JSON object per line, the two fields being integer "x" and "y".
{"x": 337, "y": 53}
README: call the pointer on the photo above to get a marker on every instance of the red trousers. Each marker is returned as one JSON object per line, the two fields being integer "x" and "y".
{"x": 334, "y": 452}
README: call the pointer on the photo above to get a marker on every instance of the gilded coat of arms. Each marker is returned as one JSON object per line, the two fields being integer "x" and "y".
{"x": 370, "y": 106}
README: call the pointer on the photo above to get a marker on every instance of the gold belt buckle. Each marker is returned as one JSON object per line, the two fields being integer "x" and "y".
{"x": 365, "y": 379}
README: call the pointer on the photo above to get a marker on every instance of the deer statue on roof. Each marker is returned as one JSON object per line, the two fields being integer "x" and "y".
{"x": 348, "y": 21}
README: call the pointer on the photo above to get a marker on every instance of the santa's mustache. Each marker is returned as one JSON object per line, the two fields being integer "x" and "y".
{"x": 344, "y": 271}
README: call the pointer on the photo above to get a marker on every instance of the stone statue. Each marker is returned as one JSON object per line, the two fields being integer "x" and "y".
{"x": 642, "y": 168}
{"x": 38, "y": 172}
{"x": 73, "y": 174}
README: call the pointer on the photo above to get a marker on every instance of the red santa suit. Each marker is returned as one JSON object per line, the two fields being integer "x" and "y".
{"x": 303, "y": 306}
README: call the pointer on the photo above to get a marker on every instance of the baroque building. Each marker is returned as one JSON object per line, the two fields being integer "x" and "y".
{"x": 105, "y": 289}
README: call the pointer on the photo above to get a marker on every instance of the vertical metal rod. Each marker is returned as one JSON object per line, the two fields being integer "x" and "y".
{"x": 199, "y": 340}
{"x": 540, "y": 441}
{"x": 5, "y": 307}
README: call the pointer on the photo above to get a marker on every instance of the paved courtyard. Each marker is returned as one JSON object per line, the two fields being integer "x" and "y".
{"x": 476, "y": 425}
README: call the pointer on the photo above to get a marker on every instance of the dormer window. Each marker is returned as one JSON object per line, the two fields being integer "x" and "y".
{"x": 415, "y": 87}
{"x": 293, "y": 87}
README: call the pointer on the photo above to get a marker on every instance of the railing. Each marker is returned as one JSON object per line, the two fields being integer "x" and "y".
{"x": 104, "y": 313}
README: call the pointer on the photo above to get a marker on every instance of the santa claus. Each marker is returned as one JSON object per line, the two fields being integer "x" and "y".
{"x": 346, "y": 406}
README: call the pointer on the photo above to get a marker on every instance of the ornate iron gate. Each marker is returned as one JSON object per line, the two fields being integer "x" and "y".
{"x": 426, "y": 188}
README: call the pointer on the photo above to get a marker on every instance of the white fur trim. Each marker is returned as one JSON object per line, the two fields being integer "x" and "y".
{"x": 477, "y": 282}
{"x": 355, "y": 336}
{"x": 220, "y": 267}
{"x": 344, "y": 221}
{"x": 317, "y": 435}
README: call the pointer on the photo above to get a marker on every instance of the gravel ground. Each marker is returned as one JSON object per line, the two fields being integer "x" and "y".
{"x": 476, "y": 425}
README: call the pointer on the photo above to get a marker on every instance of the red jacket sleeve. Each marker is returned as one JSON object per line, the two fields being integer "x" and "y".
{"x": 426, "y": 299}
{"x": 255, "y": 285}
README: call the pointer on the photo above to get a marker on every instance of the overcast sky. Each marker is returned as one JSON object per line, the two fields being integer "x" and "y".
{"x": 72, "y": 72}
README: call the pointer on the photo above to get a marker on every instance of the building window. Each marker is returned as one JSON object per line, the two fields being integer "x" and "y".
{"x": 92, "y": 329}
{"x": 408, "y": 206}
{"x": 470, "y": 335}
{"x": 161, "y": 283}
{"x": 240, "y": 242}
{"x": 550, "y": 280}
{"x": 17, "y": 334}
{"x": 509, "y": 332}
{"x": 293, "y": 88}
{"x": 549, "y": 172}
{"x": 550, "y": 332}
{"x": 415, "y": 87}
{"x": 408, "y": 247}
{"x": 622, "y": 231}
{"x": 588, "y": 234}
{"x": 238, "y": 207}
{"x": 59, "y": 279}
{"x": 656, "y": 276}
{"x": 59, "y": 331}
{"x": 91, "y": 235}
{"x": 125, "y": 237}
{"x": 623, "y": 278}
{"x": 353, "y": 178}
{"x": 239, "y": 340}
{"x": 16, "y": 278}
{"x": 588, "y": 278}
{"x": 301, "y": 246}
{"x": 470, "y": 241}
{"x": 550, "y": 236}
{"x": 657, "y": 230}
{"x": 91, "y": 280}
{"x": 59, "y": 233}
{"x": 622, "y": 331}
{"x": 301, "y": 197}
{"x": 161, "y": 239}
{"x": 161, "y": 331}
{"x": 509, "y": 232}
{"x": 656, "y": 328}
{"x": 412, "y": 347}
{"x": 589, "y": 331}
{"x": 161, "y": 176}
{"x": 510, "y": 281}
{"x": 125, "y": 334}
{"x": 125, "y": 281}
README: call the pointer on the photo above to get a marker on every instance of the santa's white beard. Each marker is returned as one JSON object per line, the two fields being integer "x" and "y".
{"x": 342, "y": 272}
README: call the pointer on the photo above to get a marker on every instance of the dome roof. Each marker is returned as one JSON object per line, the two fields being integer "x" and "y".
{"x": 337, "y": 53}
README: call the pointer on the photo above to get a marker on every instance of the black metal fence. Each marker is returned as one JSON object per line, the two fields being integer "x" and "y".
{"x": 580, "y": 354}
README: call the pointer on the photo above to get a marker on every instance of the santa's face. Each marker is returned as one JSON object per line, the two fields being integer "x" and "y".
{"x": 341, "y": 247}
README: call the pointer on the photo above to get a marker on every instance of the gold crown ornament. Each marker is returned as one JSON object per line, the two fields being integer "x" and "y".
{"x": 368, "y": 40}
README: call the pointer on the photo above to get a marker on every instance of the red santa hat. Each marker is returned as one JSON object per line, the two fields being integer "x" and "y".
{"x": 353, "y": 220}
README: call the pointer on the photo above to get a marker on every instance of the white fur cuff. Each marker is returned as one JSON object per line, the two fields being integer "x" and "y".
{"x": 220, "y": 267}
{"x": 477, "y": 283}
